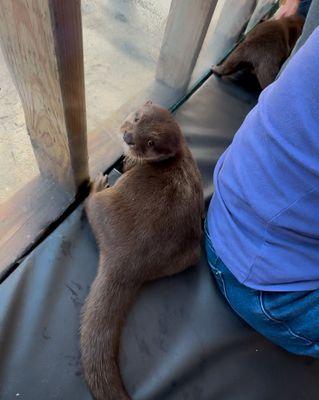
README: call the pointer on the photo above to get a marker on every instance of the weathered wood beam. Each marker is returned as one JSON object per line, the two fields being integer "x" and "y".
{"x": 42, "y": 44}
{"x": 186, "y": 27}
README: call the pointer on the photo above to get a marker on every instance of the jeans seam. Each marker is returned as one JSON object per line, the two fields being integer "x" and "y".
{"x": 224, "y": 287}
{"x": 219, "y": 275}
{"x": 279, "y": 321}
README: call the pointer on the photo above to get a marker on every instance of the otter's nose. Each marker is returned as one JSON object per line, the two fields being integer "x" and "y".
{"x": 128, "y": 138}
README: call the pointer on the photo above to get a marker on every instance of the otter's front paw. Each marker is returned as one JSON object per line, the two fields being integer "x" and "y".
{"x": 217, "y": 70}
{"x": 100, "y": 183}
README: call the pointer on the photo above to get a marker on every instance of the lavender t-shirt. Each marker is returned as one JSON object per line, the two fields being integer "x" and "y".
{"x": 263, "y": 220}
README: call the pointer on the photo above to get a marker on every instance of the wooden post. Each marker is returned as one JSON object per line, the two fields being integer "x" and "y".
{"x": 261, "y": 9}
{"x": 186, "y": 27}
{"x": 228, "y": 22}
{"x": 42, "y": 43}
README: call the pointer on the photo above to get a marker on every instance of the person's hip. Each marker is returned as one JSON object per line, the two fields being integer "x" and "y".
{"x": 289, "y": 319}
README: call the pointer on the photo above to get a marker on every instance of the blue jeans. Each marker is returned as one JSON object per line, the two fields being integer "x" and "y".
{"x": 288, "y": 319}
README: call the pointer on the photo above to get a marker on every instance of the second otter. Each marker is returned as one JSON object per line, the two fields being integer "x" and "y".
{"x": 148, "y": 225}
{"x": 264, "y": 50}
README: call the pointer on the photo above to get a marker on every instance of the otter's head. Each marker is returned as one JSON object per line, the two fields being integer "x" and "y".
{"x": 151, "y": 134}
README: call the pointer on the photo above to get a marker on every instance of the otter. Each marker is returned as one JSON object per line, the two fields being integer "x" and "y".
{"x": 147, "y": 226}
{"x": 264, "y": 50}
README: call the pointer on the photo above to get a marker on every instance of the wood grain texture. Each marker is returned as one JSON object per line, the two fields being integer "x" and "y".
{"x": 26, "y": 215}
{"x": 184, "y": 34}
{"x": 42, "y": 44}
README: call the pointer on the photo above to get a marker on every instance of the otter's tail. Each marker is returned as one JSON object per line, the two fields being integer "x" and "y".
{"x": 103, "y": 316}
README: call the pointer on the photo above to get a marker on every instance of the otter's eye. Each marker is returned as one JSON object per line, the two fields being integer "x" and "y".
{"x": 150, "y": 143}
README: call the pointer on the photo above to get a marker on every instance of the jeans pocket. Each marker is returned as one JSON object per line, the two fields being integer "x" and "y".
{"x": 278, "y": 309}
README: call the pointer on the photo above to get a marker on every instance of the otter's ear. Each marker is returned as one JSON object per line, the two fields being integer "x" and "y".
{"x": 144, "y": 110}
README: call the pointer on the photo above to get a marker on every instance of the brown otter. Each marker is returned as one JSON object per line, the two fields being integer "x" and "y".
{"x": 148, "y": 226}
{"x": 264, "y": 50}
